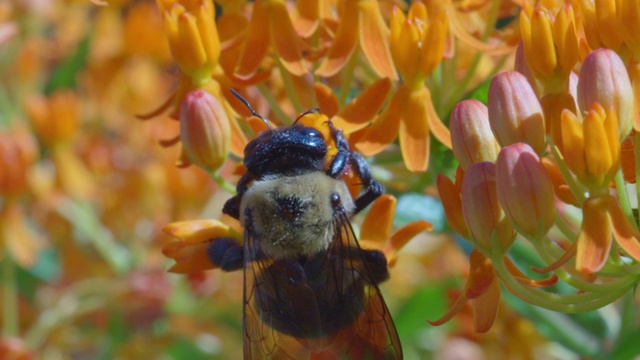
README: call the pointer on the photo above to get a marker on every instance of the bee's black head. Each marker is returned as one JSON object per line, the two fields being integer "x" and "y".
{"x": 289, "y": 150}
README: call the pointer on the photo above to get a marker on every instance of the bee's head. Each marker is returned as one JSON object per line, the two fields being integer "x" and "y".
{"x": 292, "y": 149}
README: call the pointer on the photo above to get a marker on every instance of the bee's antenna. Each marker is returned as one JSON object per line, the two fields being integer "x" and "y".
{"x": 246, "y": 103}
{"x": 310, "y": 111}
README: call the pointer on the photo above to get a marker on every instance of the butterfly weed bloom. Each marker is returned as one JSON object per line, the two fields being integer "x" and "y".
{"x": 551, "y": 50}
{"x": 417, "y": 47}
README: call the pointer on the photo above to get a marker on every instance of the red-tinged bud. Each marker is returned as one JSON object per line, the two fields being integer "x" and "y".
{"x": 204, "y": 130}
{"x": 604, "y": 79}
{"x": 525, "y": 190}
{"x": 514, "y": 111}
{"x": 481, "y": 209}
{"x": 471, "y": 134}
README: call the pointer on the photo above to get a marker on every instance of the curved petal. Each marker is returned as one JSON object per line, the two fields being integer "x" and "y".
{"x": 344, "y": 43}
{"x": 455, "y": 308}
{"x": 626, "y": 236}
{"x": 327, "y": 101}
{"x": 594, "y": 241}
{"x": 525, "y": 280}
{"x": 193, "y": 231}
{"x": 439, "y": 130}
{"x": 485, "y": 308}
{"x": 374, "y": 39}
{"x": 285, "y": 39}
{"x": 414, "y": 132}
{"x": 384, "y": 129}
{"x": 362, "y": 109}
{"x": 377, "y": 225}
{"x": 402, "y": 236}
{"x": 256, "y": 41}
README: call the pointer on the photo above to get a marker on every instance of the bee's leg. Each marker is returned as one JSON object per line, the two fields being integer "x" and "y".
{"x": 341, "y": 158}
{"x": 226, "y": 253}
{"x": 232, "y": 206}
{"x": 376, "y": 263}
{"x": 372, "y": 188}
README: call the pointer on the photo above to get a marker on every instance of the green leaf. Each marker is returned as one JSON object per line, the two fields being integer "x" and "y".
{"x": 65, "y": 74}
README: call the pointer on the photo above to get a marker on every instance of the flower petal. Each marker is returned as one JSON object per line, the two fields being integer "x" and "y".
{"x": 414, "y": 131}
{"x": 626, "y": 236}
{"x": 256, "y": 41}
{"x": 374, "y": 39}
{"x": 377, "y": 225}
{"x": 384, "y": 129}
{"x": 594, "y": 241}
{"x": 285, "y": 39}
{"x": 362, "y": 109}
{"x": 344, "y": 43}
{"x": 485, "y": 308}
{"x": 402, "y": 236}
{"x": 327, "y": 101}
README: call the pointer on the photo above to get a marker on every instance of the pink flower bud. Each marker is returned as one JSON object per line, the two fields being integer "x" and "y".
{"x": 471, "y": 134}
{"x": 481, "y": 209}
{"x": 514, "y": 111}
{"x": 604, "y": 79}
{"x": 525, "y": 190}
{"x": 204, "y": 130}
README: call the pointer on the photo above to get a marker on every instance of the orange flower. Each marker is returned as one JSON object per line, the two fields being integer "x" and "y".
{"x": 194, "y": 238}
{"x": 410, "y": 113}
{"x": 270, "y": 25}
{"x": 361, "y": 23}
{"x": 482, "y": 289}
{"x": 377, "y": 225}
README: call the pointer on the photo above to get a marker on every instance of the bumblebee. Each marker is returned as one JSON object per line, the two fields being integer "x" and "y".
{"x": 310, "y": 291}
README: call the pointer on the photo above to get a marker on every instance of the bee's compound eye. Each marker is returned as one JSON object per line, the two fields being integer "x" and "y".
{"x": 335, "y": 199}
{"x": 310, "y": 132}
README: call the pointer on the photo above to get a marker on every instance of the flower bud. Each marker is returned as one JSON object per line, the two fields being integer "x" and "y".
{"x": 525, "y": 190}
{"x": 204, "y": 130}
{"x": 481, "y": 209}
{"x": 604, "y": 79}
{"x": 514, "y": 111}
{"x": 471, "y": 134}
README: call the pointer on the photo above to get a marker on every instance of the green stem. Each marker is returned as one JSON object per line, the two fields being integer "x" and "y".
{"x": 567, "y": 303}
{"x": 577, "y": 283}
{"x": 636, "y": 150}
{"x": 88, "y": 225}
{"x": 224, "y": 184}
{"x": 566, "y": 174}
{"x": 623, "y": 197}
{"x": 273, "y": 104}
{"x": 9, "y": 298}
{"x": 289, "y": 88}
{"x": 564, "y": 228}
{"x": 347, "y": 78}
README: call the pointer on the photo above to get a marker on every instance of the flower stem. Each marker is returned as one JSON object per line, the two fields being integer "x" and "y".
{"x": 623, "y": 197}
{"x": 9, "y": 298}
{"x": 289, "y": 88}
{"x": 273, "y": 104}
{"x": 224, "y": 184}
{"x": 566, "y": 174}
{"x": 347, "y": 79}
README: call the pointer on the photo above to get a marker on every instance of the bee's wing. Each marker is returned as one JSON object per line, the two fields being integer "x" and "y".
{"x": 333, "y": 295}
{"x": 372, "y": 335}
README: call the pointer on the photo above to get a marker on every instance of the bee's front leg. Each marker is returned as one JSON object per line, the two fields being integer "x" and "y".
{"x": 372, "y": 188}
{"x": 226, "y": 253}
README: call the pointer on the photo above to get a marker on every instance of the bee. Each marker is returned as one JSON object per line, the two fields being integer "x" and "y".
{"x": 310, "y": 291}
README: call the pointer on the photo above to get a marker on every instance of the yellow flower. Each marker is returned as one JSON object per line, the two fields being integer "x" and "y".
{"x": 550, "y": 45}
{"x": 591, "y": 147}
{"x": 361, "y": 24}
{"x": 193, "y": 36}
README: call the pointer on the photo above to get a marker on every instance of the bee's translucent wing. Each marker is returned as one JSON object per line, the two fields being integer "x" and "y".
{"x": 326, "y": 306}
